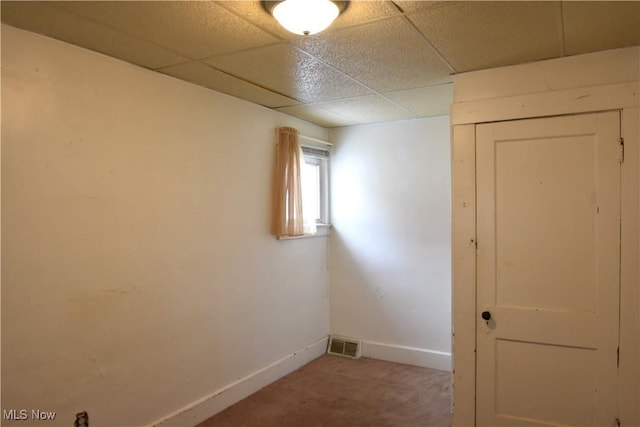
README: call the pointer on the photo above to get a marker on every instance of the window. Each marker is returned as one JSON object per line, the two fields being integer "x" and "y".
{"x": 300, "y": 188}
{"x": 315, "y": 183}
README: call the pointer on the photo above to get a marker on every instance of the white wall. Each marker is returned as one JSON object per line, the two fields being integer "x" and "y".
{"x": 390, "y": 246}
{"x": 138, "y": 274}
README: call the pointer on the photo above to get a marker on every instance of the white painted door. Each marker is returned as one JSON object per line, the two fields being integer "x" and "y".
{"x": 548, "y": 221}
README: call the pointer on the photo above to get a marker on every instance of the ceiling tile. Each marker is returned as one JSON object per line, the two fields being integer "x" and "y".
{"x": 44, "y": 18}
{"x": 367, "y": 109}
{"x": 359, "y": 12}
{"x": 600, "y": 25}
{"x": 203, "y": 75}
{"x": 317, "y": 115}
{"x": 477, "y": 35}
{"x": 289, "y": 71}
{"x": 384, "y": 55}
{"x": 194, "y": 29}
{"x": 397, "y": 48}
{"x": 256, "y": 14}
{"x": 425, "y": 101}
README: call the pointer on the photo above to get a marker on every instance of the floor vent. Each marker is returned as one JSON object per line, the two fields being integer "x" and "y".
{"x": 345, "y": 347}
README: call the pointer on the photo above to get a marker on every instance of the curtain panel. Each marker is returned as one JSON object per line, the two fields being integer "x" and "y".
{"x": 287, "y": 212}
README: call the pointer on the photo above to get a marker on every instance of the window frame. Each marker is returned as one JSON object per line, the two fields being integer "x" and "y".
{"x": 322, "y": 157}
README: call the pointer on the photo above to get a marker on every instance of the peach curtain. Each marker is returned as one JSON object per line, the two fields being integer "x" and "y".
{"x": 287, "y": 203}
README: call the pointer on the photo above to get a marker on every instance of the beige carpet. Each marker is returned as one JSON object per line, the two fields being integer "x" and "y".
{"x": 334, "y": 391}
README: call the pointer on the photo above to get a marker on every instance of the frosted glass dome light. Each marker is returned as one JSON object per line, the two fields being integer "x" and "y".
{"x": 306, "y": 17}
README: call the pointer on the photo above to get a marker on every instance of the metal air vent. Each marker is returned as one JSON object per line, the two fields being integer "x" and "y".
{"x": 347, "y": 347}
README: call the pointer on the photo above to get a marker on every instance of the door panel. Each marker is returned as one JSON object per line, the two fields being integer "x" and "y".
{"x": 548, "y": 271}
{"x": 546, "y": 198}
{"x": 529, "y": 363}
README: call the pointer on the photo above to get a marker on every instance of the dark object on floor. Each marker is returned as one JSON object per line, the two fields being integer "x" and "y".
{"x": 334, "y": 391}
{"x": 82, "y": 419}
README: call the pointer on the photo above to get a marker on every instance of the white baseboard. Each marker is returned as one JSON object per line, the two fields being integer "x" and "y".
{"x": 407, "y": 355}
{"x": 221, "y": 399}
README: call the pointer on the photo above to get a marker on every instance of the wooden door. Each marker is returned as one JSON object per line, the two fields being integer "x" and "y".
{"x": 548, "y": 221}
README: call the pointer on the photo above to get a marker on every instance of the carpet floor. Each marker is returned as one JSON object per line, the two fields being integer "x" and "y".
{"x": 334, "y": 391}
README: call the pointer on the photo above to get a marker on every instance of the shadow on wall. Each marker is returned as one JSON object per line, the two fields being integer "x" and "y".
{"x": 371, "y": 301}
{"x": 390, "y": 247}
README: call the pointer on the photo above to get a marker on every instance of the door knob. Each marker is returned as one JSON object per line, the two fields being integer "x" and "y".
{"x": 486, "y": 315}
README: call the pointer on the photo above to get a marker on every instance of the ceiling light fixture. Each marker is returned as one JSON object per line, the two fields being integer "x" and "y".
{"x": 305, "y": 17}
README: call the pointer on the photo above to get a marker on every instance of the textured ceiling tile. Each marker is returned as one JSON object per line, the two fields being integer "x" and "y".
{"x": 44, "y": 18}
{"x": 371, "y": 41}
{"x": 385, "y": 55}
{"x": 203, "y": 75}
{"x": 600, "y": 25}
{"x": 367, "y": 109}
{"x": 255, "y": 13}
{"x": 289, "y": 71}
{"x": 194, "y": 29}
{"x": 317, "y": 115}
{"x": 360, "y": 12}
{"x": 478, "y": 35}
{"x": 425, "y": 101}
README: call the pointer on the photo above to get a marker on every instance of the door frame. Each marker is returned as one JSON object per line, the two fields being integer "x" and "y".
{"x": 623, "y": 97}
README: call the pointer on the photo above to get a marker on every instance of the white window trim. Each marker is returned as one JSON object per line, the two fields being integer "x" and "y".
{"x": 323, "y": 230}
{"x": 324, "y": 161}
{"x": 324, "y": 226}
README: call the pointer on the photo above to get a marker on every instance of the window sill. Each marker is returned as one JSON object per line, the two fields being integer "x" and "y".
{"x": 323, "y": 230}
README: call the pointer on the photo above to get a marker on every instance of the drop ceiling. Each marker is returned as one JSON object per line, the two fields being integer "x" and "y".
{"x": 379, "y": 61}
